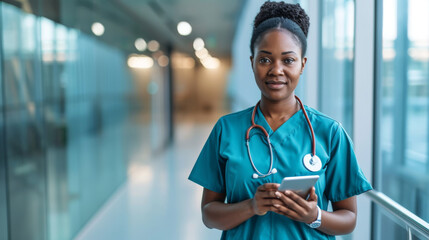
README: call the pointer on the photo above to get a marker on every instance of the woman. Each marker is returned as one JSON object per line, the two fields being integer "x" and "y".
{"x": 230, "y": 169}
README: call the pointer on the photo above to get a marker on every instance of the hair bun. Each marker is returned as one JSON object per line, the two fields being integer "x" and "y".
{"x": 293, "y": 12}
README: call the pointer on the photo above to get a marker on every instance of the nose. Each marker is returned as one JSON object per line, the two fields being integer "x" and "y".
{"x": 276, "y": 69}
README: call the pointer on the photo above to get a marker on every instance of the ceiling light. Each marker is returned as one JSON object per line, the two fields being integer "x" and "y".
{"x": 163, "y": 61}
{"x": 202, "y": 53}
{"x": 184, "y": 28}
{"x": 157, "y": 54}
{"x": 198, "y": 44}
{"x": 153, "y": 46}
{"x": 211, "y": 63}
{"x": 140, "y": 44}
{"x": 97, "y": 28}
{"x": 140, "y": 61}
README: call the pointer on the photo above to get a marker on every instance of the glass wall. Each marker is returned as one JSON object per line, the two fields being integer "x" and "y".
{"x": 402, "y": 112}
{"x": 336, "y": 60}
{"x": 3, "y": 203}
{"x": 66, "y": 98}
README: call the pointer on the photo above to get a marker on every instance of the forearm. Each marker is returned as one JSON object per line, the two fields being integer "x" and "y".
{"x": 339, "y": 222}
{"x": 226, "y": 216}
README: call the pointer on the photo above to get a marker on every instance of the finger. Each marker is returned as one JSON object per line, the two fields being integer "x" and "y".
{"x": 267, "y": 208}
{"x": 260, "y": 188}
{"x": 271, "y": 186}
{"x": 267, "y": 194}
{"x": 268, "y": 187}
{"x": 286, "y": 212}
{"x": 270, "y": 202}
{"x": 277, "y": 202}
{"x": 292, "y": 203}
{"x": 298, "y": 199}
{"x": 313, "y": 195}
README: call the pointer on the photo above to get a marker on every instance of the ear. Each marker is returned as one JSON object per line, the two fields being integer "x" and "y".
{"x": 304, "y": 61}
{"x": 251, "y": 62}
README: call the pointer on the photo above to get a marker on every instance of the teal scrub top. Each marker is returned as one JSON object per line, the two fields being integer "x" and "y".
{"x": 224, "y": 166}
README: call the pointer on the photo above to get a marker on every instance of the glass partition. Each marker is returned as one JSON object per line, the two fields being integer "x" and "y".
{"x": 66, "y": 99}
{"x": 336, "y": 60}
{"x": 3, "y": 203}
{"x": 397, "y": 227}
{"x": 402, "y": 112}
{"x": 24, "y": 126}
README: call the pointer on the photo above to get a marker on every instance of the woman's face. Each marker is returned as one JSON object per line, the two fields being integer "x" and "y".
{"x": 277, "y": 65}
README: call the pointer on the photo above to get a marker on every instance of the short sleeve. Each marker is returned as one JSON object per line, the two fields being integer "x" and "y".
{"x": 209, "y": 169}
{"x": 344, "y": 176}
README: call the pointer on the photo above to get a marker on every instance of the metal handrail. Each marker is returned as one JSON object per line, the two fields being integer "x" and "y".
{"x": 412, "y": 221}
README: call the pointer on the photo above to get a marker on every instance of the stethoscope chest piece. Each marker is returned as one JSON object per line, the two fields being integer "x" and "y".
{"x": 312, "y": 163}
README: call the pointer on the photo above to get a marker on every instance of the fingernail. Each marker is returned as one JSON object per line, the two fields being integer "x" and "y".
{"x": 278, "y": 194}
{"x": 287, "y": 192}
{"x": 276, "y": 205}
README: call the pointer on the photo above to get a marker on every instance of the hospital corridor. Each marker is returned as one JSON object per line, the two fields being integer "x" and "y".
{"x": 157, "y": 201}
{"x": 117, "y": 115}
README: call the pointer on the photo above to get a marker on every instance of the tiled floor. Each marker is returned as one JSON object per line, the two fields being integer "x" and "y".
{"x": 157, "y": 202}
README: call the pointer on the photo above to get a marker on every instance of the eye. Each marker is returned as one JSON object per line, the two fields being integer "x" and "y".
{"x": 289, "y": 60}
{"x": 264, "y": 60}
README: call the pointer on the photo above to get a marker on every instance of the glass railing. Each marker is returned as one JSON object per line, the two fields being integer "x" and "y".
{"x": 413, "y": 226}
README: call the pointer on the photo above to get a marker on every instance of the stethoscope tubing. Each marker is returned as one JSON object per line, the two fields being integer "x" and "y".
{"x": 273, "y": 170}
{"x": 309, "y": 125}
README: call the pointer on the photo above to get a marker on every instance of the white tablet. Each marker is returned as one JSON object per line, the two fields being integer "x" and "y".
{"x": 299, "y": 184}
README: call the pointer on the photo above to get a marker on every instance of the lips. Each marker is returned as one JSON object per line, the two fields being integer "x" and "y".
{"x": 275, "y": 84}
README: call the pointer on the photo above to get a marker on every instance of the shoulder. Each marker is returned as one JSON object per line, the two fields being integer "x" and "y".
{"x": 322, "y": 120}
{"x": 328, "y": 126}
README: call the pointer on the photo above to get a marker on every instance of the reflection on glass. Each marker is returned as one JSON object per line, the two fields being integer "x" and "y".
{"x": 3, "y": 204}
{"x": 336, "y": 74}
{"x": 67, "y": 104}
{"x": 402, "y": 103}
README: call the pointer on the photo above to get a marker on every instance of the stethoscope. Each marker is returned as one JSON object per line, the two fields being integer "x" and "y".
{"x": 311, "y": 161}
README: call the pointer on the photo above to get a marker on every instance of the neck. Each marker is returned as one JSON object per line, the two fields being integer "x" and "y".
{"x": 280, "y": 110}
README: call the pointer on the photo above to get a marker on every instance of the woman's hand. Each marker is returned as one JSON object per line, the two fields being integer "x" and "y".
{"x": 265, "y": 198}
{"x": 297, "y": 208}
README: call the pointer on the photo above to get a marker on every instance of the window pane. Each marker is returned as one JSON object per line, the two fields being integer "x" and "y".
{"x": 336, "y": 65}
{"x": 3, "y": 205}
{"x": 24, "y": 128}
{"x": 402, "y": 109}
{"x": 66, "y": 98}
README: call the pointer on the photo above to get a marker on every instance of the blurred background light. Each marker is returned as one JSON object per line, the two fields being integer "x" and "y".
{"x": 163, "y": 61}
{"x": 210, "y": 63}
{"x": 157, "y": 54}
{"x": 202, "y": 53}
{"x": 184, "y": 28}
{"x": 140, "y": 44}
{"x": 153, "y": 45}
{"x": 198, "y": 44}
{"x": 97, "y": 28}
{"x": 140, "y": 61}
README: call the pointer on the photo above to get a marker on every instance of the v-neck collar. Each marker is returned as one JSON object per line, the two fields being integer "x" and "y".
{"x": 288, "y": 128}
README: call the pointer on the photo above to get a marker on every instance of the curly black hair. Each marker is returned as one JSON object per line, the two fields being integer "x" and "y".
{"x": 274, "y": 15}
{"x": 293, "y": 12}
